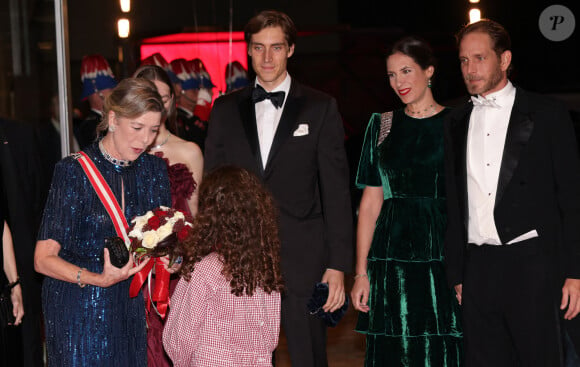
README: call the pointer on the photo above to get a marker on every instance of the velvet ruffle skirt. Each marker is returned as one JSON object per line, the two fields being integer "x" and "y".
{"x": 414, "y": 319}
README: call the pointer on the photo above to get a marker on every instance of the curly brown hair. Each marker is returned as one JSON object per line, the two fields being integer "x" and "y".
{"x": 236, "y": 219}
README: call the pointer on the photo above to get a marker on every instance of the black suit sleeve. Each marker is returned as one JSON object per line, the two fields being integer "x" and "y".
{"x": 454, "y": 236}
{"x": 566, "y": 164}
{"x": 214, "y": 154}
{"x": 334, "y": 190}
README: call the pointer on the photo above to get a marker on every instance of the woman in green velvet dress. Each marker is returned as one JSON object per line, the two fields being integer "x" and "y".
{"x": 409, "y": 315}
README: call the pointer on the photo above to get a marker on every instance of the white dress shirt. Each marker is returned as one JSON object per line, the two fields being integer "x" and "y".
{"x": 268, "y": 118}
{"x": 485, "y": 143}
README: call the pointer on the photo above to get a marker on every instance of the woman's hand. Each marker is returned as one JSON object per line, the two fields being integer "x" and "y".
{"x": 17, "y": 305}
{"x": 360, "y": 294}
{"x": 112, "y": 275}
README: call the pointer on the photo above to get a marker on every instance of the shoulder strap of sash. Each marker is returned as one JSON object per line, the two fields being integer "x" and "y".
{"x": 104, "y": 193}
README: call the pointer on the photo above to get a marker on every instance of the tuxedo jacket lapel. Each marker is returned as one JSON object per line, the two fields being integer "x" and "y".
{"x": 519, "y": 131}
{"x": 287, "y": 123}
{"x": 460, "y": 128}
{"x": 248, "y": 116}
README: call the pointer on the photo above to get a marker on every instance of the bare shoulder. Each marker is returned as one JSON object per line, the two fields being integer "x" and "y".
{"x": 186, "y": 150}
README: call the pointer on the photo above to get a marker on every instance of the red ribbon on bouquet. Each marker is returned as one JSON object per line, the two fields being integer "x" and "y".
{"x": 160, "y": 292}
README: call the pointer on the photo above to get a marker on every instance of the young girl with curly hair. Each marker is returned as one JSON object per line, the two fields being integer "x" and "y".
{"x": 225, "y": 310}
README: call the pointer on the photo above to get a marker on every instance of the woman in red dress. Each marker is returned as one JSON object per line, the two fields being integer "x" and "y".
{"x": 184, "y": 161}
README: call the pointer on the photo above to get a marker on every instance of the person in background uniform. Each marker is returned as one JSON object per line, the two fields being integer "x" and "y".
{"x": 236, "y": 77}
{"x": 189, "y": 126}
{"x": 98, "y": 81}
{"x": 204, "y": 98}
{"x": 205, "y": 92}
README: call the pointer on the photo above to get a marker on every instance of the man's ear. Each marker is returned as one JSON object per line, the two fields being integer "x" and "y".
{"x": 505, "y": 60}
{"x": 290, "y": 51}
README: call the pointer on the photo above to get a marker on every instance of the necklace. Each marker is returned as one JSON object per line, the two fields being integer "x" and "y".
{"x": 163, "y": 142}
{"x": 115, "y": 161}
{"x": 421, "y": 114}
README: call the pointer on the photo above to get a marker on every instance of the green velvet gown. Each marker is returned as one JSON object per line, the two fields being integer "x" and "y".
{"x": 414, "y": 319}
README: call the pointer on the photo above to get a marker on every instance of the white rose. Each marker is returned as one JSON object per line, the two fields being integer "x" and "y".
{"x": 150, "y": 239}
{"x": 165, "y": 230}
{"x": 179, "y": 215}
{"x": 136, "y": 233}
{"x": 139, "y": 223}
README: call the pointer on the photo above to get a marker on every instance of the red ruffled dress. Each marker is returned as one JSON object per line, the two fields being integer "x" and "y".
{"x": 182, "y": 187}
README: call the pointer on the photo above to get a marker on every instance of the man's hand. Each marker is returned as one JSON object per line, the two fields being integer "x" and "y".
{"x": 335, "y": 280}
{"x": 458, "y": 292}
{"x": 571, "y": 298}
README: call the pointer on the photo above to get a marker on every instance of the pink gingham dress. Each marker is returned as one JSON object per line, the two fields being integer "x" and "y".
{"x": 208, "y": 326}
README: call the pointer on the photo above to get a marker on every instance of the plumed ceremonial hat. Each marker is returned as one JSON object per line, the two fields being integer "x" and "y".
{"x": 159, "y": 60}
{"x": 96, "y": 75}
{"x": 183, "y": 72}
{"x": 201, "y": 73}
{"x": 236, "y": 76}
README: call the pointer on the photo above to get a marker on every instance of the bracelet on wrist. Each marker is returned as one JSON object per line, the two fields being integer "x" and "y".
{"x": 360, "y": 276}
{"x": 82, "y": 285}
{"x": 13, "y": 284}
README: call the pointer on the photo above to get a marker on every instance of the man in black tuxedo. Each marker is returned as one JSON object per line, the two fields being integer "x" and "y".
{"x": 292, "y": 137}
{"x": 513, "y": 194}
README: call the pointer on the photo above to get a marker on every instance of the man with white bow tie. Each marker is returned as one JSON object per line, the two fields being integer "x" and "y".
{"x": 513, "y": 193}
{"x": 292, "y": 137}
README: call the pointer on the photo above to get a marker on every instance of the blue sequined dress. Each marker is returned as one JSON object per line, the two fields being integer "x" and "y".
{"x": 94, "y": 326}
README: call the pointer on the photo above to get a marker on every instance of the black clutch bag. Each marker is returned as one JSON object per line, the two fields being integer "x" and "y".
{"x": 118, "y": 252}
{"x": 318, "y": 299}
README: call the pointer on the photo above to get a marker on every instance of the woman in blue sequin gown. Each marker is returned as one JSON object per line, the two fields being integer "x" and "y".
{"x": 90, "y": 320}
{"x": 408, "y": 313}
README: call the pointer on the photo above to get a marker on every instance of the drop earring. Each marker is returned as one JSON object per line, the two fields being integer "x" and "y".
{"x": 429, "y": 83}
{"x": 111, "y": 128}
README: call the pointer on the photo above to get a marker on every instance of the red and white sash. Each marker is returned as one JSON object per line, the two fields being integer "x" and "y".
{"x": 105, "y": 194}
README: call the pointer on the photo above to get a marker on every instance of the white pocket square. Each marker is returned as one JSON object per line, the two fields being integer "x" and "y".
{"x": 301, "y": 130}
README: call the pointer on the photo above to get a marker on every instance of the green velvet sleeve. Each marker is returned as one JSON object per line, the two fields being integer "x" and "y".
{"x": 368, "y": 173}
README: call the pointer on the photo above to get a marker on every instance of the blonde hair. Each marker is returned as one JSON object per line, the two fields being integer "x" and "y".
{"x": 132, "y": 97}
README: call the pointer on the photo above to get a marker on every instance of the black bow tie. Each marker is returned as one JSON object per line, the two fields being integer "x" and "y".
{"x": 259, "y": 94}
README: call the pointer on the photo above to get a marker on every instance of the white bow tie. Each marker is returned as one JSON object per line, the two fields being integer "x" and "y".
{"x": 479, "y": 101}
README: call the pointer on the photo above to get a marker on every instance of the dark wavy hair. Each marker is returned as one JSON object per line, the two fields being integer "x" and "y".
{"x": 152, "y": 73}
{"x": 237, "y": 219}
{"x": 271, "y": 18}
